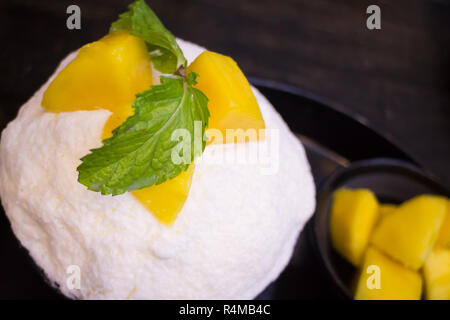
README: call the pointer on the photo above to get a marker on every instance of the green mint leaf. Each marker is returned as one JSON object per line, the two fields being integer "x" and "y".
{"x": 139, "y": 154}
{"x": 142, "y": 22}
{"x": 201, "y": 113}
{"x": 191, "y": 78}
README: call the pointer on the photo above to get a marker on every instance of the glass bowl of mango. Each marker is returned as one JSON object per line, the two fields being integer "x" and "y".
{"x": 382, "y": 229}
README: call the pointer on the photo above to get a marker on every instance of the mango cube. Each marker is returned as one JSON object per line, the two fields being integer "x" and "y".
{"x": 106, "y": 74}
{"x": 444, "y": 234}
{"x": 231, "y": 101}
{"x": 353, "y": 215}
{"x": 384, "y": 279}
{"x": 386, "y": 209}
{"x": 437, "y": 275}
{"x": 409, "y": 233}
{"x": 166, "y": 200}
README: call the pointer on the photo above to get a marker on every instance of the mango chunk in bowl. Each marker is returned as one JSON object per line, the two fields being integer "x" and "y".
{"x": 380, "y": 226}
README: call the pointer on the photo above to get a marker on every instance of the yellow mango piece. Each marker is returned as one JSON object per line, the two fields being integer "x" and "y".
{"x": 106, "y": 74}
{"x": 437, "y": 275}
{"x": 231, "y": 101}
{"x": 385, "y": 209}
{"x": 166, "y": 200}
{"x": 444, "y": 234}
{"x": 120, "y": 114}
{"x": 384, "y": 279}
{"x": 409, "y": 233}
{"x": 353, "y": 215}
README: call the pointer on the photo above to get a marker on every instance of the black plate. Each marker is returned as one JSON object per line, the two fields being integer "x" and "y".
{"x": 332, "y": 140}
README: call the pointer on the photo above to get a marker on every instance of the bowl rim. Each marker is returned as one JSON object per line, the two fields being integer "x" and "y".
{"x": 327, "y": 188}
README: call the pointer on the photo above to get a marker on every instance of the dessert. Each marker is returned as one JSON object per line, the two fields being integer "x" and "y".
{"x": 86, "y": 179}
{"x": 406, "y": 253}
{"x": 436, "y": 272}
{"x": 394, "y": 282}
{"x": 353, "y": 215}
{"x": 409, "y": 233}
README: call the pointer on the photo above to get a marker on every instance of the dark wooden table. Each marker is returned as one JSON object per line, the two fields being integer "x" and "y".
{"x": 395, "y": 80}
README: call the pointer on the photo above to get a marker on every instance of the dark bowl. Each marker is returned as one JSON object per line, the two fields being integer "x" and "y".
{"x": 393, "y": 181}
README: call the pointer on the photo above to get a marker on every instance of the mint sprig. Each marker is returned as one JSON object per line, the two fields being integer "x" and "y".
{"x": 142, "y": 22}
{"x": 139, "y": 154}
